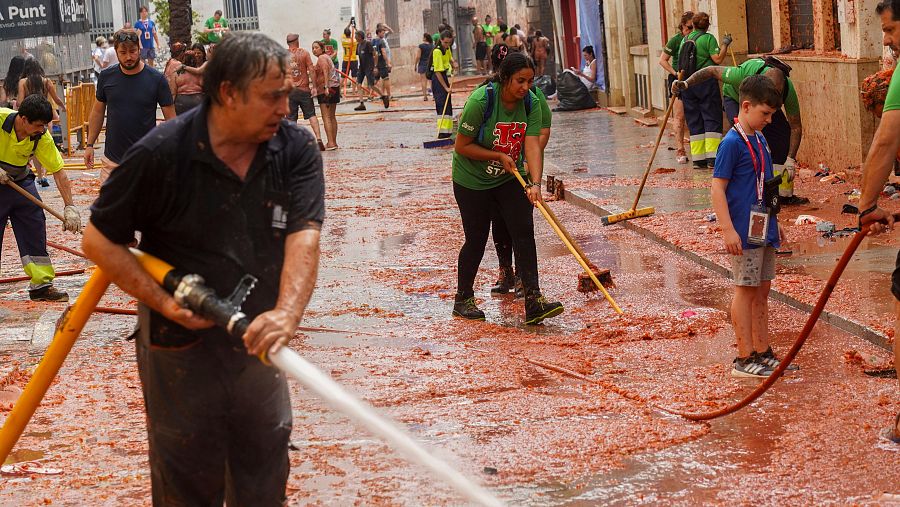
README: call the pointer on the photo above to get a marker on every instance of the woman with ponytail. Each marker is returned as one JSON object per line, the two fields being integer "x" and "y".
{"x": 499, "y": 129}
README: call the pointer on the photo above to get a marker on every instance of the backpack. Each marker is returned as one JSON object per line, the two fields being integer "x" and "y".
{"x": 489, "y": 110}
{"x": 687, "y": 57}
{"x": 774, "y": 63}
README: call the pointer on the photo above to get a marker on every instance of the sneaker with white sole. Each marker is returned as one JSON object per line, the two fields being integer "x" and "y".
{"x": 749, "y": 367}
{"x": 768, "y": 358}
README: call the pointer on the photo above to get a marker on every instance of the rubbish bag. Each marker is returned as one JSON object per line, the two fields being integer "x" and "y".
{"x": 546, "y": 85}
{"x": 572, "y": 94}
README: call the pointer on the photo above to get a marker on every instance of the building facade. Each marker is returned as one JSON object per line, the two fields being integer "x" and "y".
{"x": 832, "y": 45}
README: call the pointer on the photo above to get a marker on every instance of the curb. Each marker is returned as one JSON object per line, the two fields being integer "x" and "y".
{"x": 583, "y": 199}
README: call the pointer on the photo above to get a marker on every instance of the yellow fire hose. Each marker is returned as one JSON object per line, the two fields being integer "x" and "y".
{"x": 190, "y": 291}
{"x": 557, "y": 228}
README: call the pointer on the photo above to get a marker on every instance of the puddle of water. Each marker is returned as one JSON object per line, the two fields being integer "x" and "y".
{"x": 393, "y": 244}
{"x": 20, "y": 455}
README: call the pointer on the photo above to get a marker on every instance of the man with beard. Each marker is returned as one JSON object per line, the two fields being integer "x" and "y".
{"x": 130, "y": 91}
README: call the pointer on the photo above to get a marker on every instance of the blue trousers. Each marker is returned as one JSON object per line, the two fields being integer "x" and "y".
{"x": 703, "y": 114}
{"x": 29, "y": 227}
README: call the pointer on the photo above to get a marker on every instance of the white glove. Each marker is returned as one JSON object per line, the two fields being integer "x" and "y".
{"x": 678, "y": 86}
{"x": 71, "y": 219}
{"x": 4, "y": 178}
{"x": 790, "y": 165}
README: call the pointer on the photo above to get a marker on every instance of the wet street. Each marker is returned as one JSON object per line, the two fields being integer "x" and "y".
{"x": 471, "y": 391}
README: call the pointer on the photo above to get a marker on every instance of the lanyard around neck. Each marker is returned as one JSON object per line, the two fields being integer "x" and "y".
{"x": 758, "y": 164}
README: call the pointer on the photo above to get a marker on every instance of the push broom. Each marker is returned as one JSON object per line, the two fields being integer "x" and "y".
{"x": 440, "y": 143}
{"x": 564, "y": 236}
{"x": 634, "y": 212}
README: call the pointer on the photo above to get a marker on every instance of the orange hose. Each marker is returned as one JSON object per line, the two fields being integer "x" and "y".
{"x": 66, "y": 249}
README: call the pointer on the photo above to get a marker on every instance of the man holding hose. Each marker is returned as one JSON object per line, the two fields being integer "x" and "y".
{"x": 880, "y": 163}
{"x": 228, "y": 189}
{"x": 24, "y": 134}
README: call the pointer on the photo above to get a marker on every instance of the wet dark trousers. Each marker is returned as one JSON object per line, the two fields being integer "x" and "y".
{"x": 502, "y": 240}
{"x": 703, "y": 115}
{"x": 29, "y": 227}
{"x": 184, "y": 103}
{"x": 440, "y": 95}
{"x": 218, "y": 424}
{"x": 475, "y": 207}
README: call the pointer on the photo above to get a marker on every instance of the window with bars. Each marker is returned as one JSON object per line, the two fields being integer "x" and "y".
{"x": 802, "y": 23}
{"x": 131, "y": 9}
{"x": 101, "y": 17}
{"x": 242, "y": 14}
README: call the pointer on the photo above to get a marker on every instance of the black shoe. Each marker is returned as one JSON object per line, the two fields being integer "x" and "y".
{"x": 520, "y": 289}
{"x": 768, "y": 358}
{"x": 360, "y": 107}
{"x": 505, "y": 283}
{"x": 794, "y": 201}
{"x": 386, "y": 100}
{"x": 43, "y": 182}
{"x": 537, "y": 309}
{"x": 750, "y": 367}
{"x": 467, "y": 309}
{"x": 700, "y": 165}
{"x": 711, "y": 164}
{"x": 48, "y": 293}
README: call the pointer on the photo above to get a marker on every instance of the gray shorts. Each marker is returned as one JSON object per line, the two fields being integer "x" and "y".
{"x": 755, "y": 266}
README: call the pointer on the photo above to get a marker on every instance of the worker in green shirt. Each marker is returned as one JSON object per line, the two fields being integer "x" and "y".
{"x": 24, "y": 135}
{"x": 331, "y": 46}
{"x": 878, "y": 166}
{"x": 670, "y": 52}
{"x": 215, "y": 28}
{"x": 784, "y": 133}
{"x": 703, "y": 103}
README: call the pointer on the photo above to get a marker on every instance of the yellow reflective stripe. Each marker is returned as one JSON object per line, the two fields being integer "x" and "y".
{"x": 710, "y": 146}
{"x": 445, "y": 124}
{"x": 698, "y": 147}
{"x": 41, "y": 274}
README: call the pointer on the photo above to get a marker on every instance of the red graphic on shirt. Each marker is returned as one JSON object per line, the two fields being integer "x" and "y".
{"x": 508, "y": 138}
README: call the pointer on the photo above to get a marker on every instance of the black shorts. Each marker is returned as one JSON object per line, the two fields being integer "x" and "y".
{"x": 367, "y": 75}
{"x": 895, "y": 278}
{"x": 350, "y": 68}
{"x": 481, "y": 51}
{"x": 669, "y": 81}
{"x": 333, "y": 98}
{"x": 303, "y": 100}
{"x": 383, "y": 73}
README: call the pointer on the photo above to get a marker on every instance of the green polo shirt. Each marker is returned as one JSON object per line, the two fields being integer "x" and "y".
{"x": 17, "y": 153}
{"x": 732, "y": 77}
{"x": 504, "y": 131}
{"x": 211, "y": 23}
{"x": 673, "y": 49}
{"x": 707, "y": 45}
{"x": 892, "y": 101}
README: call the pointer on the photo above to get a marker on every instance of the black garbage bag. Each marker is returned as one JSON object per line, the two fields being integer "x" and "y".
{"x": 572, "y": 94}
{"x": 545, "y": 84}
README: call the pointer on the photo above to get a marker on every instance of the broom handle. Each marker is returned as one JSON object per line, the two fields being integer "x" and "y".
{"x": 35, "y": 200}
{"x": 444, "y": 111}
{"x": 587, "y": 269}
{"x": 662, "y": 128}
{"x": 575, "y": 245}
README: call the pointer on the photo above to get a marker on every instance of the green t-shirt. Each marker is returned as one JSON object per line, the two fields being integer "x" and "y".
{"x": 504, "y": 131}
{"x": 334, "y": 46}
{"x": 707, "y": 45}
{"x": 211, "y": 23}
{"x": 489, "y": 32}
{"x": 892, "y": 101}
{"x": 732, "y": 77}
{"x": 673, "y": 48}
{"x": 546, "y": 115}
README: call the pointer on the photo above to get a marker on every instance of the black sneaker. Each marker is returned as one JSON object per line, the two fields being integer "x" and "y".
{"x": 467, "y": 309}
{"x": 505, "y": 283}
{"x": 48, "y": 293}
{"x": 700, "y": 165}
{"x": 768, "y": 358}
{"x": 794, "y": 200}
{"x": 43, "y": 182}
{"x": 537, "y": 309}
{"x": 750, "y": 367}
{"x": 386, "y": 100}
{"x": 360, "y": 107}
{"x": 711, "y": 164}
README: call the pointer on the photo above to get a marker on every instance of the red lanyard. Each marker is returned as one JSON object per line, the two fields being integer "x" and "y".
{"x": 758, "y": 165}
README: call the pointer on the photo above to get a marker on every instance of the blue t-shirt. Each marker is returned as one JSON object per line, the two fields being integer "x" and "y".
{"x": 131, "y": 102}
{"x": 379, "y": 44}
{"x": 733, "y": 163}
{"x": 146, "y": 28}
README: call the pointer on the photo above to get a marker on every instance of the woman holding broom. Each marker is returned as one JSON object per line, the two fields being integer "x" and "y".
{"x": 442, "y": 67}
{"x": 499, "y": 124}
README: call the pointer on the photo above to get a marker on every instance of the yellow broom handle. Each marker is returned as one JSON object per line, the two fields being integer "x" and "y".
{"x": 565, "y": 241}
{"x": 444, "y": 111}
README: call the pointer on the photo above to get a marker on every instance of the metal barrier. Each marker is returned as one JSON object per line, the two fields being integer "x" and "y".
{"x": 79, "y": 102}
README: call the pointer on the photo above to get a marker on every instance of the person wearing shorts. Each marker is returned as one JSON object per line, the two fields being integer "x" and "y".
{"x": 329, "y": 85}
{"x": 366, "y": 73}
{"x": 301, "y": 96}
{"x": 149, "y": 37}
{"x": 749, "y": 229}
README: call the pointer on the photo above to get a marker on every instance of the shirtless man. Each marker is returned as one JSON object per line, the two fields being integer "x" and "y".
{"x": 540, "y": 48}
{"x": 480, "y": 45}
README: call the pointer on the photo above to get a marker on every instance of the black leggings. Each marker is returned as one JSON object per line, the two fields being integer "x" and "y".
{"x": 502, "y": 240}
{"x": 475, "y": 207}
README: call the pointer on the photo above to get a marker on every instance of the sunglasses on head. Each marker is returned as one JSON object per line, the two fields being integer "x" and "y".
{"x": 126, "y": 37}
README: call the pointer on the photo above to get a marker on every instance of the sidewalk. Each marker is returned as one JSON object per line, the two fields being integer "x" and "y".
{"x": 861, "y": 304}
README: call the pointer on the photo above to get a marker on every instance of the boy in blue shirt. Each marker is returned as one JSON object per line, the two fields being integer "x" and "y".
{"x": 750, "y": 231}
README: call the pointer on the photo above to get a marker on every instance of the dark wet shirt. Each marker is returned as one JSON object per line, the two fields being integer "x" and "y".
{"x": 196, "y": 214}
